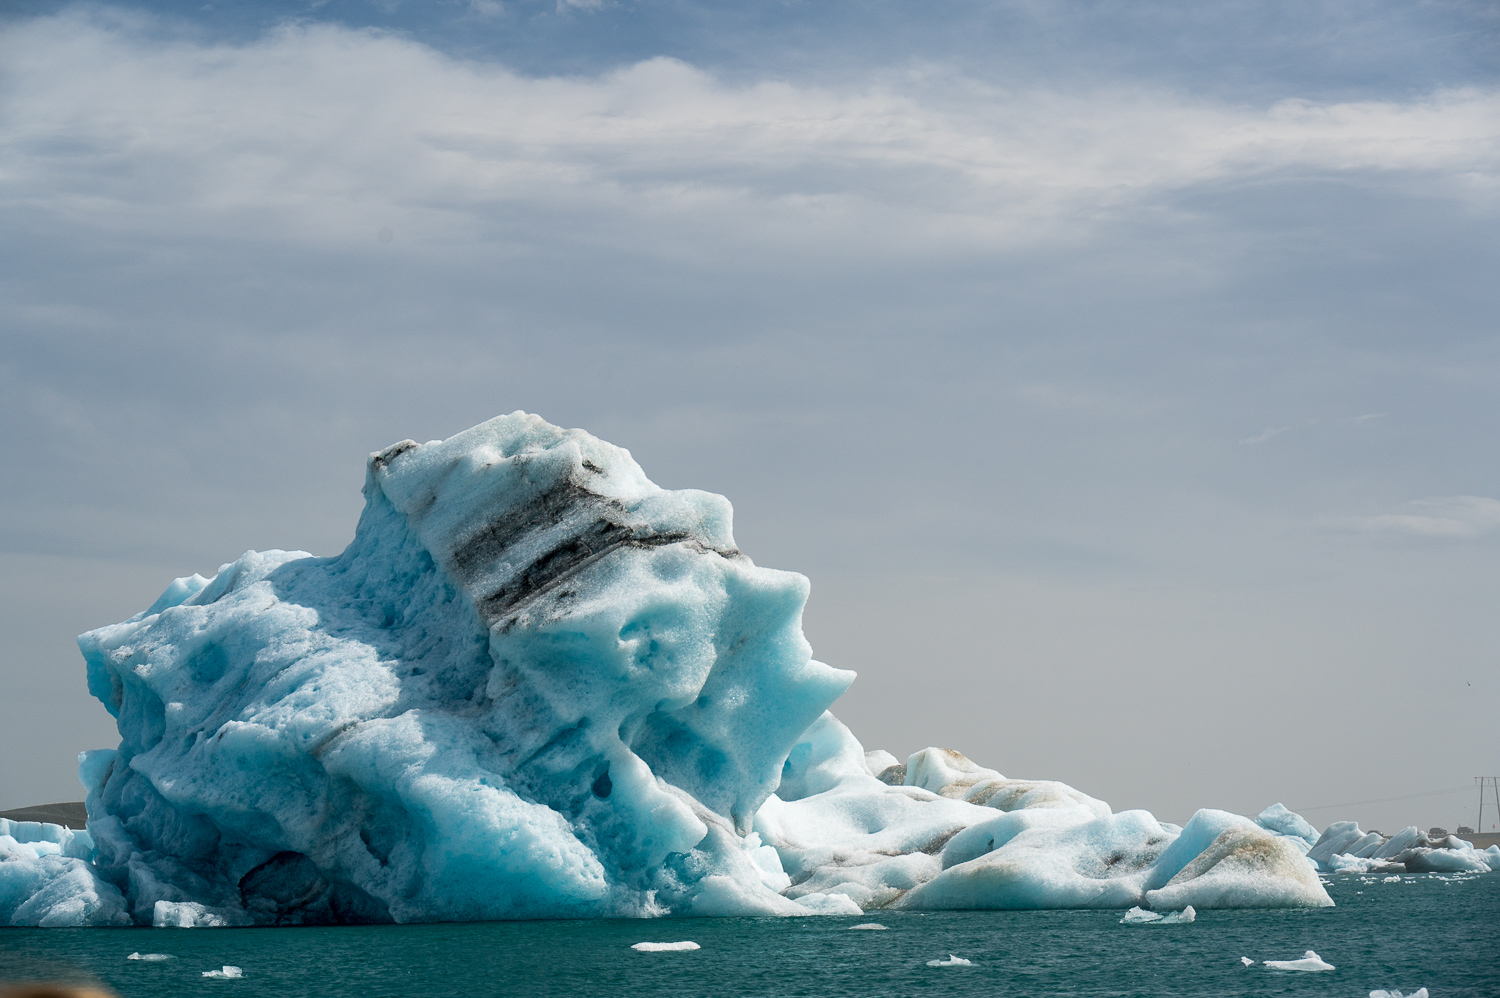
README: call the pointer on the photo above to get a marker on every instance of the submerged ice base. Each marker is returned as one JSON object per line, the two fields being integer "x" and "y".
{"x": 538, "y": 685}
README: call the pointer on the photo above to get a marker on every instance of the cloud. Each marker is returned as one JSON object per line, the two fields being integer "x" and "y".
{"x": 1457, "y": 517}
{"x": 1264, "y": 435}
{"x": 312, "y": 130}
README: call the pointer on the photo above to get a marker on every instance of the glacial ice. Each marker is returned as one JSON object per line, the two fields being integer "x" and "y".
{"x": 1419, "y": 993}
{"x": 1139, "y": 916}
{"x": 952, "y": 961}
{"x": 535, "y": 684}
{"x": 1310, "y": 961}
{"x": 1345, "y": 848}
{"x": 151, "y": 957}
{"x": 225, "y": 972}
{"x": 678, "y": 947}
{"x": 1247, "y": 961}
{"x": 47, "y": 878}
{"x": 869, "y": 927}
{"x": 1279, "y": 819}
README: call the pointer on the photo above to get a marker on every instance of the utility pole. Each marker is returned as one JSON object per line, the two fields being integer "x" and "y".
{"x": 1491, "y": 783}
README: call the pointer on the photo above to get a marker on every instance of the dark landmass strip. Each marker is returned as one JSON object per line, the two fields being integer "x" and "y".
{"x": 70, "y": 814}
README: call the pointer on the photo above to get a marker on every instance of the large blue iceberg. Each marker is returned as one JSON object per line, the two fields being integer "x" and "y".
{"x": 538, "y": 685}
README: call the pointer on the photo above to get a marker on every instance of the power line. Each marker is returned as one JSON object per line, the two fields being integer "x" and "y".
{"x": 1386, "y": 800}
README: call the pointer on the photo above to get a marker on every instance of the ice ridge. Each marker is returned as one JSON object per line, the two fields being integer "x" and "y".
{"x": 536, "y": 684}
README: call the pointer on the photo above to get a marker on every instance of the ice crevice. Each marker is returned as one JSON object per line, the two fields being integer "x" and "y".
{"x": 537, "y": 685}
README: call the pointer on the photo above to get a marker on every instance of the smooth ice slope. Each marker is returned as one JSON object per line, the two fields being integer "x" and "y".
{"x": 537, "y": 685}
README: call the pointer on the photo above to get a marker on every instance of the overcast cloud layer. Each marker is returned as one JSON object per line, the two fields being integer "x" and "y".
{"x": 1132, "y": 416}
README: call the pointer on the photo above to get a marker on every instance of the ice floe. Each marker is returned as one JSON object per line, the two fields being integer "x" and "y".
{"x": 678, "y": 947}
{"x": 1419, "y": 993}
{"x": 151, "y": 957}
{"x": 1309, "y": 961}
{"x": 1140, "y": 916}
{"x": 226, "y": 972}
{"x": 868, "y": 927}
{"x": 1247, "y": 961}
{"x": 1179, "y": 917}
{"x": 952, "y": 961}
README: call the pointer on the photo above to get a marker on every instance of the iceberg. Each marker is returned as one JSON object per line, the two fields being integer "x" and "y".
{"x": 536, "y": 684}
{"x": 679, "y": 947}
{"x": 1344, "y": 848}
{"x": 952, "y": 961}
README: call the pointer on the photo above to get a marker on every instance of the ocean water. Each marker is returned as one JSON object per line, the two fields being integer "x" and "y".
{"x": 1441, "y": 933}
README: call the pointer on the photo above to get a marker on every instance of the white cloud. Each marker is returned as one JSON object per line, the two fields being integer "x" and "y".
{"x": 313, "y": 131}
{"x": 1449, "y": 517}
{"x": 1264, "y": 435}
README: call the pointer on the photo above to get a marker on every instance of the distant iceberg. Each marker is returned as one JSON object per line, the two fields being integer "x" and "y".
{"x": 1345, "y": 848}
{"x": 537, "y": 685}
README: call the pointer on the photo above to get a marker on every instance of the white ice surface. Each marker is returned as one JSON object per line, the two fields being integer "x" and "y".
{"x": 151, "y": 957}
{"x": 225, "y": 972}
{"x": 535, "y": 684}
{"x": 1140, "y": 916}
{"x": 1277, "y": 818}
{"x": 1247, "y": 961}
{"x": 1310, "y": 961}
{"x": 869, "y": 927}
{"x": 1179, "y": 917}
{"x": 47, "y": 879}
{"x": 952, "y": 961}
{"x": 192, "y": 915}
{"x": 1419, "y": 993}
{"x": 677, "y": 947}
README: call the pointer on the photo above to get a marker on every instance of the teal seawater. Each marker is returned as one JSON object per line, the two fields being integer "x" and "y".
{"x": 1425, "y": 931}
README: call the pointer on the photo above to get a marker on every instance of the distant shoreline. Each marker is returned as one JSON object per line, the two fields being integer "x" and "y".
{"x": 70, "y": 814}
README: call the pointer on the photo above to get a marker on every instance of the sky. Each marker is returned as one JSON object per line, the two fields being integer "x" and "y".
{"x": 1124, "y": 376}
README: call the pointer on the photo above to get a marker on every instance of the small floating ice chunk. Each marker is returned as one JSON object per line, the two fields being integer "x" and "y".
{"x": 1247, "y": 961}
{"x": 1394, "y": 878}
{"x": 952, "y": 961}
{"x": 1309, "y": 961}
{"x": 678, "y": 947}
{"x": 1419, "y": 993}
{"x": 153, "y": 957}
{"x": 870, "y": 926}
{"x": 225, "y": 973}
{"x": 1178, "y": 917}
{"x": 1139, "y": 916}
